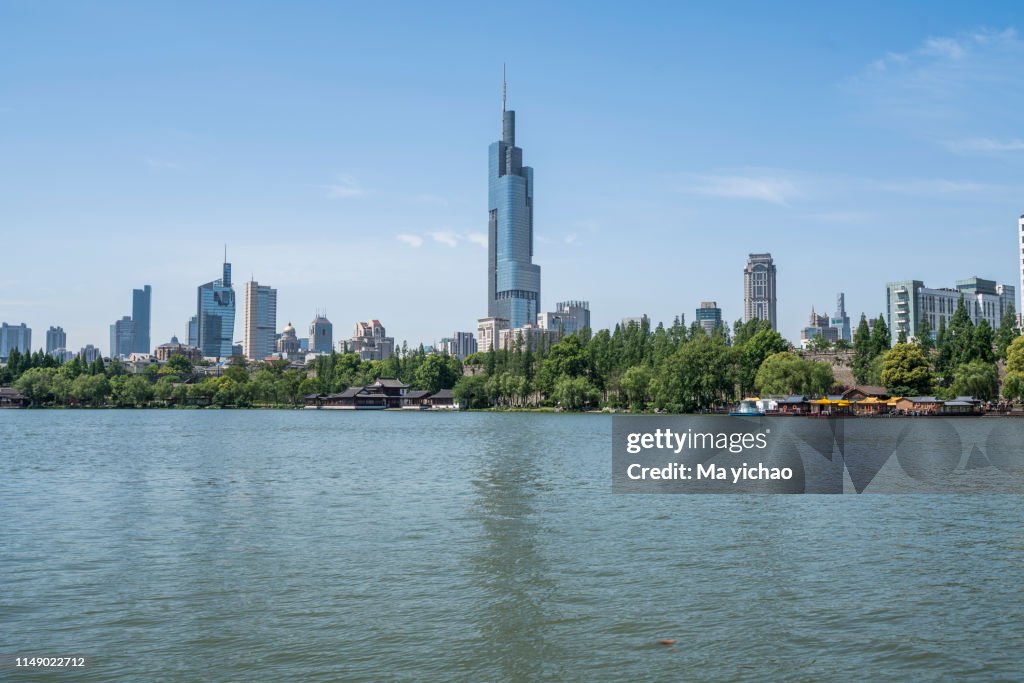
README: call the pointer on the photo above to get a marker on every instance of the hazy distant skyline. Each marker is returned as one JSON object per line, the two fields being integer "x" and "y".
{"x": 341, "y": 153}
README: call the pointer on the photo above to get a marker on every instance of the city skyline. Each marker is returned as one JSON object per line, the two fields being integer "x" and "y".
{"x": 843, "y": 171}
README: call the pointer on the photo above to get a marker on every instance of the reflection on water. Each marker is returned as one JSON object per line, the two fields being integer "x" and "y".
{"x": 318, "y": 546}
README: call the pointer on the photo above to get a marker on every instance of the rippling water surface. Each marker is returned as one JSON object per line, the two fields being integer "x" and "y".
{"x": 323, "y": 546}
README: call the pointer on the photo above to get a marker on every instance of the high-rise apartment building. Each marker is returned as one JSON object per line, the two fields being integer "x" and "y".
{"x": 142, "y": 300}
{"x": 569, "y": 317}
{"x": 259, "y": 320}
{"x": 709, "y": 316}
{"x": 370, "y": 341}
{"x": 15, "y": 337}
{"x": 759, "y": 289}
{"x": 122, "y": 338}
{"x": 215, "y": 316}
{"x": 462, "y": 344}
{"x": 321, "y": 334}
{"x": 909, "y": 302}
{"x": 488, "y": 331}
{"x": 56, "y": 339}
{"x": 1020, "y": 260}
{"x": 513, "y": 280}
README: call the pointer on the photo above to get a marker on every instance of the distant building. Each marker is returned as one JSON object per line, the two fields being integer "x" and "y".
{"x": 55, "y": 339}
{"x": 15, "y": 337}
{"x": 1020, "y": 260}
{"x": 259, "y": 321}
{"x": 759, "y": 298}
{"x": 634, "y": 320}
{"x": 709, "y": 316}
{"x": 142, "y": 301}
{"x": 321, "y": 335}
{"x": 193, "y": 331}
{"x": 89, "y": 353}
{"x": 569, "y": 317}
{"x": 174, "y": 348}
{"x": 122, "y": 337}
{"x": 370, "y": 341}
{"x": 487, "y": 330}
{"x": 215, "y": 313}
{"x": 908, "y": 302}
{"x": 461, "y": 345}
{"x": 288, "y": 341}
{"x": 526, "y": 337}
{"x": 840, "y": 320}
{"x": 513, "y": 280}
{"x": 819, "y": 326}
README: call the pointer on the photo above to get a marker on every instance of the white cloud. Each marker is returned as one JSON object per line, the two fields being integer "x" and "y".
{"x": 414, "y": 241}
{"x": 932, "y": 186}
{"x": 772, "y": 188}
{"x": 445, "y": 237}
{"x": 478, "y": 238}
{"x": 343, "y": 187}
{"x": 569, "y": 239}
{"x": 986, "y": 145}
{"x": 160, "y": 163}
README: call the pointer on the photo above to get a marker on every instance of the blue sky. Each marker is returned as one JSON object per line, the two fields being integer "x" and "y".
{"x": 340, "y": 150}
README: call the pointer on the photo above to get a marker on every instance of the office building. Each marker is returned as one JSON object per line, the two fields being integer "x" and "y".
{"x": 1020, "y": 260}
{"x": 193, "y": 331}
{"x": 142, "y": 300}
{"x": 908, "y": 302}
{"x": 370, "y": 341}
{"x": 288, "y": 341}
{"x": 513, "y": 280}
{"x": 89, "y": 354}
{"x": 215, "y": 316}
{"x": 487, "y": 331}
{"x": 56, "y": 339}
{"x": 321, "y": 335}
{"x": 840, "y": 320}
{"x": 15, "y": 337}
{"x": 461, "y": 345}
{"x": 569, "y": 317}
{"x": 176, "y": 348}
{"x": 259, "y": 320}
{"x": 819, "y": 326}
{"x": 709, "y": 316}
{"x": 122, "y": 337}
{"x": 759, "y": 289}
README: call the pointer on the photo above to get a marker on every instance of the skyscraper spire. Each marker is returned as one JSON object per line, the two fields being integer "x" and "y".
{"x": 504, "y": 82}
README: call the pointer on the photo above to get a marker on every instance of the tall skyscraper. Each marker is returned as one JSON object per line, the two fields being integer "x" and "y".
{"x": 840, "y": 320}
{"x": 142, "y": 300}
{"x": 122, "y": 338}
{"x": 259, "y": 322}
{"x": 193, "y": 331}
{"x": 321, "y": 334}
{"x": 15, "y": 337}
{"x": 56, "y": 339}
{"x": 513, "y": 280}
{"x": 709, "y": 316}
{"x": 1020, "y": 251}
{"x": 215, "y": 315}
{"x": 759, "y": 289}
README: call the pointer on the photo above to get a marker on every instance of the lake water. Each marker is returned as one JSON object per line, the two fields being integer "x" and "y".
{"x": 326, "y": 546}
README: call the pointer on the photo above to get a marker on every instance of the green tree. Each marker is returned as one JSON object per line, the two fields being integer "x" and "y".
{"x": 635, "y": 383}
{"x": 438, "y": 371}
{"x": 905, "y": 371}
{"x": 471, "y": 391}
{"x": 861, "y": 350}
{"x": 37, "y": 384}
{"x": 179, "y": 365}
{"x": 880, "y": 338}
{"x": 1006, "y": 332}
{"x": 698, "y": 375}
{"x": 752, "y": 353}
{"x": 924, "y": 336}
{"x": 574, "y": 393}
{"x": 977, "y": 378}
{"x": 787, "y": 373}
{"x": 983, "y": 342}
{"x": 90, "y": 390}
{"x": 131, "y": 391}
